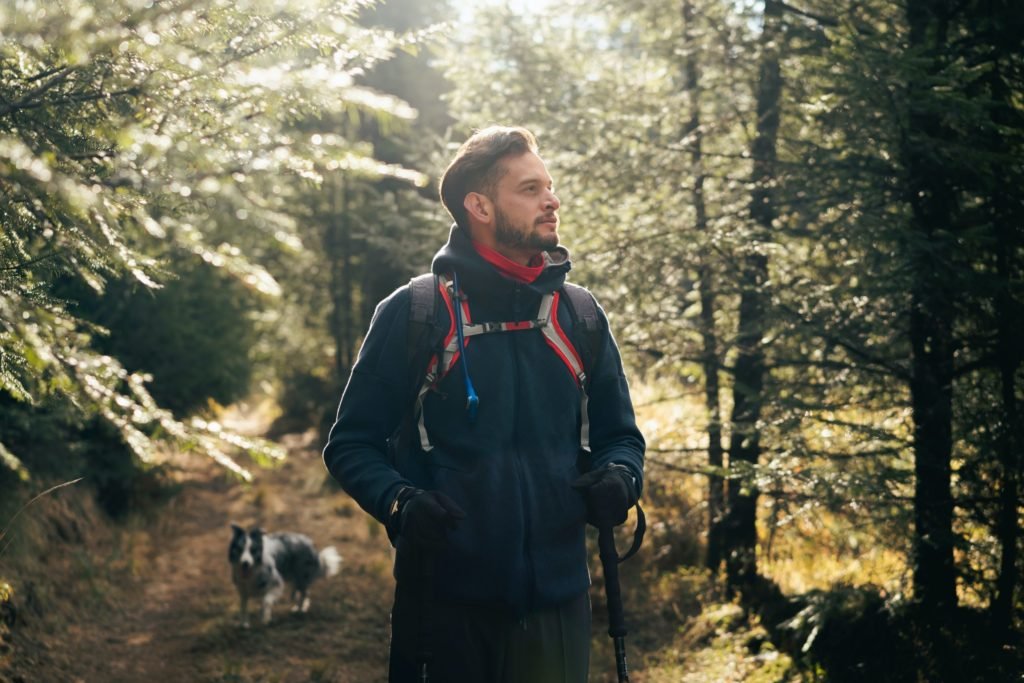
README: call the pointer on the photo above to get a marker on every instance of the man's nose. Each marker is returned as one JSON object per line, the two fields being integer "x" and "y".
{"x": 551, "y": 202}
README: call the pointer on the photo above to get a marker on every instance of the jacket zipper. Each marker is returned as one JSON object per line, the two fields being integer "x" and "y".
{"x": 520, "y": 468}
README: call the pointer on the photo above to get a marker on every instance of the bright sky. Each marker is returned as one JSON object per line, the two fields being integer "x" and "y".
{"x": 465, "y": 8}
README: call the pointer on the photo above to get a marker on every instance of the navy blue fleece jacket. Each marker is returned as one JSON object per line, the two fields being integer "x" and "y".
{"x": 522, "y": 543}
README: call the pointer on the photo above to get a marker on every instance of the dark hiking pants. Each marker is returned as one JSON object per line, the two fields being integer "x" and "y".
{"x": 479, "y": 645}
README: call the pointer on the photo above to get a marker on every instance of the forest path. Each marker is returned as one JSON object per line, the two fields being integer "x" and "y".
{"x": 178, "y": 621}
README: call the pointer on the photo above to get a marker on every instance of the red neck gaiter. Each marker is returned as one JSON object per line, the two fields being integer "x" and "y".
{"x": 509, "y": 268}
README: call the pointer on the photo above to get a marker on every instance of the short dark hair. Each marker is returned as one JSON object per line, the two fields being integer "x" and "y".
{"x": 477, "y": 165}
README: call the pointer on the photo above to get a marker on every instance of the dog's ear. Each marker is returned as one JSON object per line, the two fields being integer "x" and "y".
{"x": 256, "y": 532}
{"x": 236, "y": 531}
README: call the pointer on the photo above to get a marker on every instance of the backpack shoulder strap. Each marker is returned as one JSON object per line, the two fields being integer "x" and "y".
{"x": 583, "y": 305}
{"x": 423, "y": 297}
{"x": 587, "y": 330}
{"x": 425, "y": 332}
{"x": 423, "y": 338}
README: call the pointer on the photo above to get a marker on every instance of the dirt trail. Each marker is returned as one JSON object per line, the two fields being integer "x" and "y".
{"x": 178, "y": 618}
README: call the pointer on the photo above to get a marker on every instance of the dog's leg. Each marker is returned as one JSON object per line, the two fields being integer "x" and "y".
{"x": 243, "y": 610}
{"x": 301, "y": 601}
{"x": 269, "y": 599}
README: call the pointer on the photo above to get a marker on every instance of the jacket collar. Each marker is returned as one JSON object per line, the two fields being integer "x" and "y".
{"x": 482, "y": 282}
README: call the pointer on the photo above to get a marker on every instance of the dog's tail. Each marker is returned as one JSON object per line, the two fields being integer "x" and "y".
{"x": 330, "y": 561}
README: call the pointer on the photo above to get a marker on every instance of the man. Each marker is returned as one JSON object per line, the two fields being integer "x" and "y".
{"x": 481, "y": 489}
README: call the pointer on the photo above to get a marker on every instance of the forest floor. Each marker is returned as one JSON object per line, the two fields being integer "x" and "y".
{"x": 151, "y": 599}
{"x": 164, "y": 607}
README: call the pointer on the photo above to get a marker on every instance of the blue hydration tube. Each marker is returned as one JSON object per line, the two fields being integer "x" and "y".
{"x": 472, "y": 400}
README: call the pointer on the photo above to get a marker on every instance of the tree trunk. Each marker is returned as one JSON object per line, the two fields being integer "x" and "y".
{"x": 695, "y": 136}
{"x": 931, "y": 326}
{"x": 346, "y": 332}
{"x": 931, "y": 333}
{"x": 1007, "y": 217}
{"x": 740, "y": 542}
{"x": 1008, "y": 354}
{"x": 336, "y": 246}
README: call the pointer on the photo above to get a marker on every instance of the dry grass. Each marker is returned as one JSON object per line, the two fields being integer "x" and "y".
{"x": 808, "y": 548}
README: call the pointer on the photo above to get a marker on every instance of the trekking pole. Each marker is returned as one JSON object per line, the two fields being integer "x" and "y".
{"x": 613, "y": 594}
{"x": 424, "y": 654}
{"x": 610, "y": 563}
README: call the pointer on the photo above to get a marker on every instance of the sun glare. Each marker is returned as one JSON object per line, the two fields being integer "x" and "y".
{"x": 466, "y": 8}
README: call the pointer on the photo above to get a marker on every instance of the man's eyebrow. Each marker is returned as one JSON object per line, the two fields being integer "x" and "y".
{"x": 535, "y": 179}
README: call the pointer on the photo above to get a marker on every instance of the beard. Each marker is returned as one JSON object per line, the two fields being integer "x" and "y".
{"x": 519, "y": 237}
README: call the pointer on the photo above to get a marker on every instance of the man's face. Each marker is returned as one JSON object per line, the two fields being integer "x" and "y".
{"x": 526, "y": 208}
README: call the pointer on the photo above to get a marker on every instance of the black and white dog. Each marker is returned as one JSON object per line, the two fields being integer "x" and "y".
{"x": 261, "y": 563}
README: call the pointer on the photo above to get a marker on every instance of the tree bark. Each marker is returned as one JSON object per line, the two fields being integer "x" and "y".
{"x": 931, "y": 326}
{"x": 932, "y": 315}
{"x": 740, "y": 542}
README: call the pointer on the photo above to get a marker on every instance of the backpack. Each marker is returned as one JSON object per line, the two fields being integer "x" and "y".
{"x": 429, "y": 344}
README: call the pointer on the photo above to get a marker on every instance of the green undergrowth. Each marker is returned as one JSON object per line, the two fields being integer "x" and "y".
{"x": 681, "y": 628}
{"x": 702, "y": 639}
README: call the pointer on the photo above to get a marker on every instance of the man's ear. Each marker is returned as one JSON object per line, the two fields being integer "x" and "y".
{"x": 478, "y": 206}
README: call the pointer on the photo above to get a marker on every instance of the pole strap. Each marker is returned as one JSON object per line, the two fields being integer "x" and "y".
{"x": 638, "y": 534}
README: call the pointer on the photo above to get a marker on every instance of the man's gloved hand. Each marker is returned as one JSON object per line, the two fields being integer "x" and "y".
{"x": 610, "y": 493}
{"x": 425, "y": 517}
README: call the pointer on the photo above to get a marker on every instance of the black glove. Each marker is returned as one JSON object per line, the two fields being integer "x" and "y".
{"x": 424, "y": 517}
{"x": 610, "y": 493}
